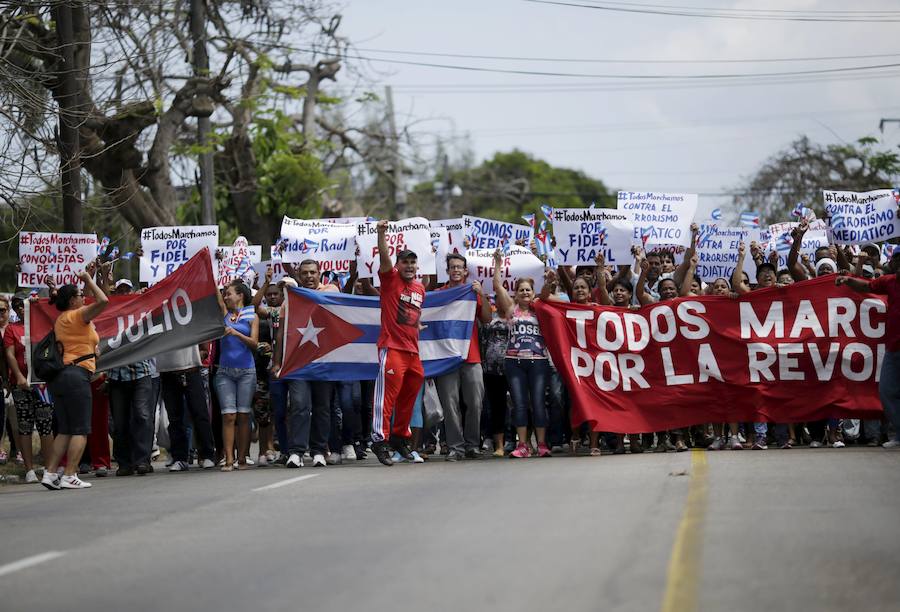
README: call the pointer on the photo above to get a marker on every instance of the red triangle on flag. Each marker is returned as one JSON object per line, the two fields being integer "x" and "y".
{"x": 311, "y": 331}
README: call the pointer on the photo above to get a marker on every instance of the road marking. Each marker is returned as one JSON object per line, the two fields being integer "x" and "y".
{"x": 21, "y": 564}
{"x": 684, "y": 564}
{"x": 284, "y": 483}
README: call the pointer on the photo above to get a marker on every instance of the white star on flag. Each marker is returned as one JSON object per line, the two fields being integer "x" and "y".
{"x": 310, "y": 333}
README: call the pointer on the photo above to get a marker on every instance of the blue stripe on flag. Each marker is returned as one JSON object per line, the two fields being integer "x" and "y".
{"x": 368, "y": 371}
{"x": 435, "y": 330}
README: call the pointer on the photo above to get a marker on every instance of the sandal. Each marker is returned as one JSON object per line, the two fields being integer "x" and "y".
{"x": 596, "y": 452}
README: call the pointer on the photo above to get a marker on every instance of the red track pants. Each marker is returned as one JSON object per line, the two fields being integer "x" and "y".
{"x": 400, "y": 376}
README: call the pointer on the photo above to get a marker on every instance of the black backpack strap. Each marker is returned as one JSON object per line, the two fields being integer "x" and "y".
{"x": 83, "y": 358}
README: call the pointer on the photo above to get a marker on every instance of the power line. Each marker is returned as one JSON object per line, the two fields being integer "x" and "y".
{"x": 575, "y": 60}
{"x": 639, "y": 77}
{"x": 741, "y": 14}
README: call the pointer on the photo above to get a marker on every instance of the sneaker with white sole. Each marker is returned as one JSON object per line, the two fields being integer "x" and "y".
{"x": 179, "y": 466}
{"x": 717, "y": 444}
{"x": 31, "y": 477}
{"x": 838, "y": 444}
{"x": 736, "y": 443}
{"x": 397, "y": 457}
{"x": 207, "y": 464}
{"x": 262, "y": 461}
{"x": 815, "y": 444}
{"x": 760, "y": 444}
{"x": 294, "y": 461}
{"x": 334, "y": 458}
{"x": 891, "y": 444}
{"x": 73, "y": 482}
{"x": 417, "y": 458}
{"x": 319, "y": 460}
{"x": 50, "y": 480}
{"x": 348, "y": 453}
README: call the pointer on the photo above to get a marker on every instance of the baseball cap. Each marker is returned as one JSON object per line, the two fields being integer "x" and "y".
{"x": 406, "y": 254}
{"x": 125, "y": 282}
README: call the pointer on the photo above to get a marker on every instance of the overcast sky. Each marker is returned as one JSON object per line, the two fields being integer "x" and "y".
{"x": 695, "y": 137}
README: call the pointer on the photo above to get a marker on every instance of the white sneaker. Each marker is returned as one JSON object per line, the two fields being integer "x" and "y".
{"x": 31, "y": 477}
{"x": 178, "y": 466}
{"x": 319, "y": 460}
{"x": 294, "y": 461}
{"x": 250, "y": 461}
{"x": 50, "y": 480}
{"x": 417, "y": 458}
{"x": 170, "y": 461}
{"x": 348, "y": 453}
{"x": 815, "y": 444}
{"x": 73, "y": 482}
{"x": 891, "y": 444}
{"x": 271, "y": 456}
{"x": 262, "y": 461}
{"x": 208, "y": 464}
{"x": 334, "y": 458}
{"x": 838, "y": 444}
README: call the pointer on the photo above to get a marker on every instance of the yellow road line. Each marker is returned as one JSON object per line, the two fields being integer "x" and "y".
{"x": 684, "y": 564}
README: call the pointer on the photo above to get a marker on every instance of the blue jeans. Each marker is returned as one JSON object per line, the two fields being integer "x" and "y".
{"x": 278, "y": 399}
{"x": 527, "y": 386}
{"x": 235, "y": 388}
{"x": 889, "y": 389}
{"x": 308, "y": 398}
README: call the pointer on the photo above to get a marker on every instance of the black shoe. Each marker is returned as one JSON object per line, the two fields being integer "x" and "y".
{"x": 383, "y": 452}
{"x": 143, "y": 468}
{"x": 124, "y": 471}
{"x": 473, "y": 454}
{"x": 84, "y": 468}
{"x": 360, "y": 450}
{"x": 399, "y": 445}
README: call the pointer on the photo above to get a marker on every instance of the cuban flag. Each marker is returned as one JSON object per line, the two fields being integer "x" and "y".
{"x": 548, "y": 211}
{"x": 716, "y": 214}
{"x": 803, "y": 212}
{"x": 529, "y": 219}
{"x": 783, "y": 245}
{"x": 104, "y": 244}
{"x": 750, "y": 219}
{"x": 646, "y": 234}
{"x": 896, "y": 193}
{"x": 837, "y": 222}
{"x": 888, "y": 250}
{"x": 333, "y": 336}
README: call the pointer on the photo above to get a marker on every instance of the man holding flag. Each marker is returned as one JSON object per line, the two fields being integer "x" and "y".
{"x": 400, "y": 372}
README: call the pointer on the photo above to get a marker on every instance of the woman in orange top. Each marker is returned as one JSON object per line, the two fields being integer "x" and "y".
{"x": 71, "y": 388}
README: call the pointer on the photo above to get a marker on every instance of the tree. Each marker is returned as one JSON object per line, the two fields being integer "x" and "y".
{"x": 511, "y": 184}
{"x": 800, "y": 172}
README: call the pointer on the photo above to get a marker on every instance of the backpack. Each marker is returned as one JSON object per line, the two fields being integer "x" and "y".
{"x": 47, "y": 358}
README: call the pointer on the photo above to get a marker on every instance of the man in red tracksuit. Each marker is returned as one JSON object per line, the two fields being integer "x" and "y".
{"x": 400, "y": 373}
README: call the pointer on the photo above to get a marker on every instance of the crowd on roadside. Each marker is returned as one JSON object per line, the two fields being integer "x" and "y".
{"x": 206, "y": 405}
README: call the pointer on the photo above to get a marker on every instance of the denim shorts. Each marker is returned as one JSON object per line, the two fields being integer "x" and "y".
{"x": 235, "y": 388}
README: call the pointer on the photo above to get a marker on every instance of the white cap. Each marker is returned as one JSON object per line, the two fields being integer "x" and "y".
{"x": 826, "y": 261}
{"x": 124, "y": 281}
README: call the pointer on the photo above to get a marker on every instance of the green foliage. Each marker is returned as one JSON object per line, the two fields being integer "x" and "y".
{"x": 800, "y": 173}
{"x": 515, "y": 183}
{"x": 291, "y": 177}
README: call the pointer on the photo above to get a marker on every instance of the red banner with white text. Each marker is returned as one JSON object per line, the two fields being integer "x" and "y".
{"x": 787, "y": 354}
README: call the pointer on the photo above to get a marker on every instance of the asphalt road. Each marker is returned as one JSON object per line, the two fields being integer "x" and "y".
{"x": 774, "y": 530}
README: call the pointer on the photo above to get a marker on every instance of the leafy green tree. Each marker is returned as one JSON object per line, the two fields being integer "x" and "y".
{"x": 800, "y": 172}
{"x": 512, "y": 184}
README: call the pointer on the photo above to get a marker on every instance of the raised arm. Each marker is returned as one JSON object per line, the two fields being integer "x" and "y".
{"x": 564, "y": 274}
{"x": 484, "y": 311}
{"x": 261, "y": 312}
{"x": 686, "y": 281}
{"x": 548, "y": 290}
{"x": 384, "y": 254}
{"x": 861, "y": 260}
{"x": 737, "y": 277}
{"x": 602, "y": 289}
{"x": 682, "y": 270}
{"x": 504, "y": 302}
{"x": 640, "y": 290}
{"x": 840, "y": 257}
{"x": 798, "y": 273}
{"x": 100, "y": 299}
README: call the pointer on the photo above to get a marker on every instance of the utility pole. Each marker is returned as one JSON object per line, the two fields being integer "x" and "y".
{"x": 69, "y": 118}
{"x": 201, "y": 69}
{"x": 445, "y": 192}
{"x": 397, "y": 175}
